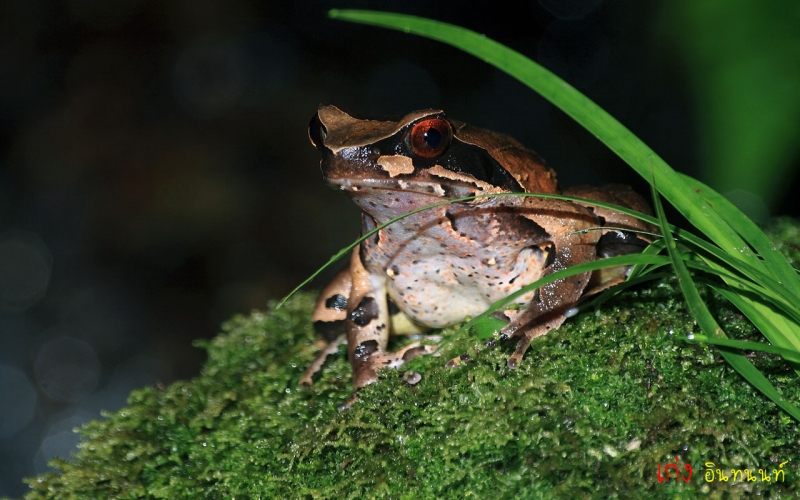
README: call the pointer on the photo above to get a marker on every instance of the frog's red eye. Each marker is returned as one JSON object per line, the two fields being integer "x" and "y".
{"x": 429, "y": 138}
{"x": 317, "y": 132}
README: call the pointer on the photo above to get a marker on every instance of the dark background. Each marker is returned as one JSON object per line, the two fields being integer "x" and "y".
{"x": 156, "y": 177}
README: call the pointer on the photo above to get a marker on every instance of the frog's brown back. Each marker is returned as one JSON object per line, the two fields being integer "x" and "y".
{"x": 527, "y": 167}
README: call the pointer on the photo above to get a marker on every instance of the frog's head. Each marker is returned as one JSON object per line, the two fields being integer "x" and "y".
{"x": 423, "y": 153}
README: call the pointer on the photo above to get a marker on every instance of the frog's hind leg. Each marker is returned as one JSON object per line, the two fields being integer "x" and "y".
{"x": 330, "y": 312}
{"x": 330, "y": 321}
{"x": 536, "y": 328}
{"x": 394, "y": 359}
{"x": 329, "y": 350}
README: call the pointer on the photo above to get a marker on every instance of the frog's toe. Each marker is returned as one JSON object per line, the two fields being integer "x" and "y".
{"x": 535, "y": 328}
{"x": 367, "y": 369}
{"x": 458, "y": 360}
{"x": 409, "y": 352}
{"x": 316, "y": 366}
{"x": 349, "y": 403}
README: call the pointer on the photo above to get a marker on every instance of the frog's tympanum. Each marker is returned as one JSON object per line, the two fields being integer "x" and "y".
{"x": 439, "y": 266}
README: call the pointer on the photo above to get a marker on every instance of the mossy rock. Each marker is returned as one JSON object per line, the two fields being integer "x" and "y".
{"x": 592, "y": 411}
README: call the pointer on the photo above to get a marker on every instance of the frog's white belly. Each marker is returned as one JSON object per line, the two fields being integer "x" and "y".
{"x": 443, "y": 290}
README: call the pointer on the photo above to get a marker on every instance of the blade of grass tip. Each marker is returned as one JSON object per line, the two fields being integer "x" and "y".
{"x": 341, "y": 253}
{"x": 562, "y": 95}
{"x": 709, "y": 325}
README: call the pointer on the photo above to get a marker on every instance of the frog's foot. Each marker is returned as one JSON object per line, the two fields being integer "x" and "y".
{"x": 349, "y": 403}
{"x": 507, "y": 316}
{"x": 535, "y": 328}
{"x": 407, "y": 353}
{"x": 367, "y": 371}
{"x": 458, "y": 360}
{"x": 329, "y": 350}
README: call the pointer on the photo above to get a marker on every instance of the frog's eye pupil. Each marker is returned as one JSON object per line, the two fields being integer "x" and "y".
{"x": 433, "y": 137}
{"x": 429, "y": 138}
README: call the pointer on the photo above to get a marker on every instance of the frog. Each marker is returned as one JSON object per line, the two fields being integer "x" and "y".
{"x": 439, "y": 266}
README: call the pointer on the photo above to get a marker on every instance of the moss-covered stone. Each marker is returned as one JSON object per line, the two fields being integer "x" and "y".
{"x": 592, "y": 412}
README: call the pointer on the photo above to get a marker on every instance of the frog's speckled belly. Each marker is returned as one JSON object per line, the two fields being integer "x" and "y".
{"x": 442, "y": 290}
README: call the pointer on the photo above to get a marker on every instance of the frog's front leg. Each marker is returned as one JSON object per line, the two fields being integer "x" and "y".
{"x": 548, "y": 309}
{"x": 368, "y": 327}
{"x": 367, "y": 322}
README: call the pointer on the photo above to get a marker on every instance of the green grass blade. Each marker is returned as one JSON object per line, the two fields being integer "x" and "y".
{"x": 770, "y": 322}
{"x": 344, "y": 251}
{"x": 790, "y": 355}
{"x": 709, "y": 325}
{"x": 607, "y": 295}
{"x": 777, "y": 265}
{"x": 621, "y": 260}
{"x": 750, "y": 289}
{"x": 653, "y": 248}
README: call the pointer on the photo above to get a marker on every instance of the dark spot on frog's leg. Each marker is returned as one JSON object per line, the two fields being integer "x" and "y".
{"x": 365, "y": 348}
{"x": 329, "y": 330}
{"x": 336, "y": 302}
{"x": 365, "y": 311}
{"x": 452, "y": 220}
{"x": 551, "y": 255}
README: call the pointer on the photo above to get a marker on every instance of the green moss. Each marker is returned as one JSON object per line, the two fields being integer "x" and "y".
{"x": 592, "y": 411}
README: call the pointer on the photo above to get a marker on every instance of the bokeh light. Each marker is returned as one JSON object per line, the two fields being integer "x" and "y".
{"x": 17, "y": 401}
{"x": 67, "y": 369}
{"x": 25, "y": 265}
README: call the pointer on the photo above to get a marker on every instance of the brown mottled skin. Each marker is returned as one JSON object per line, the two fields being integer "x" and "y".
{"x": 443, "y": 264}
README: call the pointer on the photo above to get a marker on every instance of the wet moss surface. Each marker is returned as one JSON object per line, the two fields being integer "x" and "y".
{"x": 592, "y": 412}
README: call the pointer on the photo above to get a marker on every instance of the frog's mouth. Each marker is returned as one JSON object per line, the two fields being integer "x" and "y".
{"x": 447, "y": 188}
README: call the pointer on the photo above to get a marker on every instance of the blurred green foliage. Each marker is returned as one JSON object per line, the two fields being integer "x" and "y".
{"x": 742, "y": 58}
